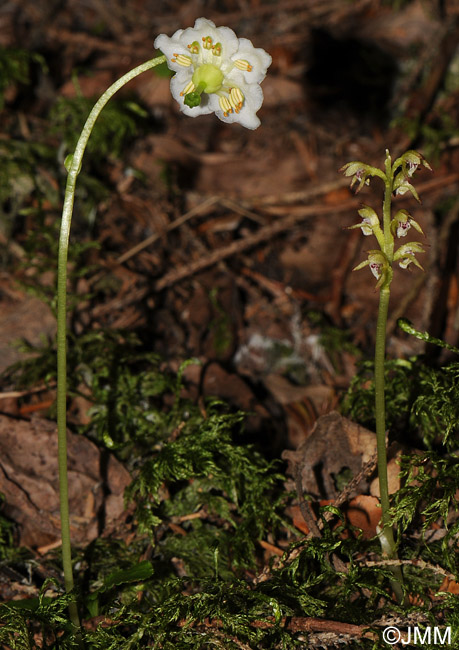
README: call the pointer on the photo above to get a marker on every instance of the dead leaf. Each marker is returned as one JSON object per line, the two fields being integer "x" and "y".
{"x": 29, "y": 482}
{"x": 335, "y": 444}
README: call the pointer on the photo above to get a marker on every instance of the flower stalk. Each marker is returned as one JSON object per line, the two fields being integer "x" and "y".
{"x": 395, "y": 178}
{"x": 73, "y": 166}
{"x": 215, "y": 72}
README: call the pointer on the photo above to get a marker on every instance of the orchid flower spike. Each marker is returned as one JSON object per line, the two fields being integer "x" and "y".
{"x": 216, "y": 72}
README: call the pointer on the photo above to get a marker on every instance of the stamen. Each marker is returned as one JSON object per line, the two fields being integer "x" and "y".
{"x": 225, "y": 105}
{"x": 217, "y": 49}
{"x": 194, "y": 47}
{"x": 236, "y": 99}
{"x": 182, "y": 59}
{"x": 207, "y": 40}
{"x": 242, "y": 64}
{"x": 188, "y": 89}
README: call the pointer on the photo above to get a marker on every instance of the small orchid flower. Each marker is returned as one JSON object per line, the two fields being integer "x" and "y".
{"x": 216, "y": 72}
{"x": 409, "y": 163}
{"x": 370, "y": 224}
{"x": 402, "y": 222}
{"x": 359, "y": 172}
{"x": 379, "y": 266}
{"x": 405, "y": 254}
{"x": 402, "y": 186}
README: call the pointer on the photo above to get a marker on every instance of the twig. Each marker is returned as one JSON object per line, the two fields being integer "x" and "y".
{"x": 417, "y": 562}
{"x": 305, "y": 508}
{"x": 265, "y": 233}
{"x": 175, "y": 224}
{"x": 28, "y": 391}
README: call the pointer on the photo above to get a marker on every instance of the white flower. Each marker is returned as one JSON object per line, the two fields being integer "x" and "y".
{"x": 216, "y": 72}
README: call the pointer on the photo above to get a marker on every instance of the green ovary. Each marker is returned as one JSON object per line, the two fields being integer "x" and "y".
{"x": 209, "y": 76}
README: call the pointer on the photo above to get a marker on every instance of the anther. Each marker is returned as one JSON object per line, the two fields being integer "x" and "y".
{"x": 236, "y": 99}
{"x": 217, "y": 49}
{"x": 207, "y": 40}
{"x": 225, "y": 105}
{"x": 194, "y": 47}
{"x": 182, "y": 59}
{"x": 242, "y": 64}
{"x": 188, "y": 89}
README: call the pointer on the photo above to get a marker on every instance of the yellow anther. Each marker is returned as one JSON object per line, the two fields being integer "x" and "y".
{"x": 236, "y": 99}
{"x": 207, "y": 40}
{"x": 194, "y": 47}
{"x": 182, "y": 59}
{"x": 217, "y": 49}
{"x": 242, "y": 64}
{"x": 225, "y": 105}
{"x": 188, "y": 89}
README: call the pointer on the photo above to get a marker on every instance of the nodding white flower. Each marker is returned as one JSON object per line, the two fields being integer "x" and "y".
{"x": 216, "y": 72}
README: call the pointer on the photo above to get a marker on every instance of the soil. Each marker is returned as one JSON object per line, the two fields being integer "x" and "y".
{"x": 230, "y": 245}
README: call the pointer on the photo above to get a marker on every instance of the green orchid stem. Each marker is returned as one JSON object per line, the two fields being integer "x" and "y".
{"x": 386, "y": 535}
{"x": 73, "y": 171}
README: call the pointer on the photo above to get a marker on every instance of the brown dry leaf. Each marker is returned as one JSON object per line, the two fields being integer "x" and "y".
{"x": 29, "y": 482}
{"x": 393, "y": 474}
{"x": 364, "y": 512}
{"x": 335, "y": 444}
{"x": 23, "y": 317}
{"x": 451, "y": 586}
{"x": 301, "y": 404}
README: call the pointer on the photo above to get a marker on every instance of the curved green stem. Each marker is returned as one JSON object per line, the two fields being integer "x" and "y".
{"x": 386, "y": 535}
{"x": 73, "y": 171}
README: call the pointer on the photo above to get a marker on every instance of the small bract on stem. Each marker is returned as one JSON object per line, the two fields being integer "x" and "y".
{"x": 396, "y": 177}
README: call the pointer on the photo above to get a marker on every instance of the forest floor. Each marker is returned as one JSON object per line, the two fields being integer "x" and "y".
{"x": 222, "y": 245}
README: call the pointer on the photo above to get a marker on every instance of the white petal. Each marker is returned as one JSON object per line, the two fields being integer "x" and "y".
{"x": 257, "y": 57}
{"x": 169, "y": 47}
{"x": 204, "y": 27}
{"x": 223, "y": 35}
{"x": 203, "y": 23}
{"x": 229, "y": 41}
{"x": 253, "y": 99}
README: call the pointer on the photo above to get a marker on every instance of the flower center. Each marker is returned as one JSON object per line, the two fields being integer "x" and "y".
{"x": 208, "y": 75}
{"x": 207, "y": 78}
